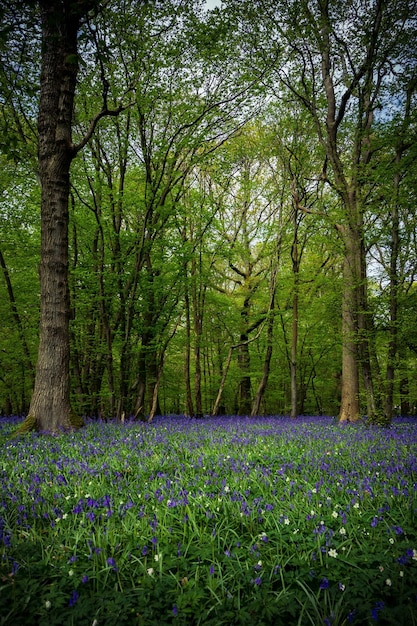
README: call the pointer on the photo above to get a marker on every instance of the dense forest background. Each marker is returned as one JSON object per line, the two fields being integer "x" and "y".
{"x": 242, "y": 230}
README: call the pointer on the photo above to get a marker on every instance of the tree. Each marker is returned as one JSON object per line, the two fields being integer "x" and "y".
{"x": 339, "y": 59}
{"x": 50, "y": 407}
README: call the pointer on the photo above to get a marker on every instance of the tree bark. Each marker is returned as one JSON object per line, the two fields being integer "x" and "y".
{"x": 295, "y": 258}
{"x": 349, "y": 406}
{"x": 189, "y": 397}
{"x": 50, "y": 408}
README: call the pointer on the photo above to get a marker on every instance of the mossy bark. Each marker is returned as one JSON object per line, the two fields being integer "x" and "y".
{"x": 30, "y": 423}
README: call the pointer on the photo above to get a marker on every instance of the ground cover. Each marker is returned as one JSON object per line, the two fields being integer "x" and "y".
{"x": 214, "y": 521}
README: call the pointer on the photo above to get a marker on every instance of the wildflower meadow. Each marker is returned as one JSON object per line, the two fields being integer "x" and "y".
{"x": 213, "y": 521}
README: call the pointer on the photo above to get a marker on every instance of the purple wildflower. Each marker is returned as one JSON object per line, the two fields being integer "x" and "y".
{"x": 73, "y": 598}
{"x": 376, "y": 609}
{"x": 110, "y": 561}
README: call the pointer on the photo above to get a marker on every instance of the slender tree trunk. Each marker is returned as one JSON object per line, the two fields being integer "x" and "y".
{"x": 244, "y": 406}
{"x": 294, "y": 334}
{"x": 393, "y": 274}
{"x": 363, "y": 337}
{"x": 27, "y": 362}
{"x": 155, "y": 395}
{"x": 269, "y": 339}
{"x": 198, "y": 299}
{"x": 189, "y": 397}
{"x": 222, "y": 382}
{"x": 198, "y": 329}
{"x": 266, "y": 369}
{"x": 243, "y": 359}
{"x": 350, "y": 406}
{"x": 393, "y": 327}
{"x": 405, "y": 405}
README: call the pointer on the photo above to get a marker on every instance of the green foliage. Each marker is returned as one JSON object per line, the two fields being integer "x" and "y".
{"x": 190, "y": 193}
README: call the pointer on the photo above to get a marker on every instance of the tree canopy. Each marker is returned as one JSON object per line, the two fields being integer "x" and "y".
{"x": 221, "y": 203}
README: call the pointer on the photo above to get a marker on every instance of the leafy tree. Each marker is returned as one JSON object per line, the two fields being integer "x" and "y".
{"x": 50, "y": 407}
{"x": 338, "y": 66}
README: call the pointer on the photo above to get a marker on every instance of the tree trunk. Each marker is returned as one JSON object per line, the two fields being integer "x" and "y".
{"x": 393, "y": 271}
{"x": 222, "y": 382}
{"x": 198, "y": 303}
{"x": 294, "y": 334}
{"x": 405, "y": 405}
{"x": 349, "y": 406}
{"x": 243, "y": 359}
{"x": 189, "y": 397}
{"x": 27, "y": 365}
{"x": 265, "y": 375}
{"x": 269, "y": 339}
{"x": 244, "y": 402}
{"x": 50, "y": 408}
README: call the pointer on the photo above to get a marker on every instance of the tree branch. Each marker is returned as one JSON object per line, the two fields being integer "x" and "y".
{"x": 103, "y": 113}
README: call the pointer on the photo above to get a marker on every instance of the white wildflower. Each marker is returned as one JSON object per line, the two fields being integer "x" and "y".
{"x": 388, "y": 582}
{"x": 150, "y": 571}
{"x": 332, "y": 552}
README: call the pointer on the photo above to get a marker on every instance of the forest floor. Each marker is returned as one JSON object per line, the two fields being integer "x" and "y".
{"x": 216, "y": 521}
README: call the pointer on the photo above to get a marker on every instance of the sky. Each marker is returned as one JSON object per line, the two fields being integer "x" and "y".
{"x": 210, "y": 4}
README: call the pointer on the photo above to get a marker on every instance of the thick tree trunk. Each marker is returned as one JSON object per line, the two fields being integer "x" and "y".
{"x": 50, "y": 407}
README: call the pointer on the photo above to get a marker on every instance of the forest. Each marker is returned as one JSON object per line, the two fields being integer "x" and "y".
{"x": 208, "y": 211}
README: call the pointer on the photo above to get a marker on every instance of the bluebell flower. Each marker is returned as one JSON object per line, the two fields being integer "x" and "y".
{"x": 73, "y": 598}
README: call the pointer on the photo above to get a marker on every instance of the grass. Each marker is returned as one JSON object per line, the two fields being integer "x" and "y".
{"x": 215, "y": 521}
